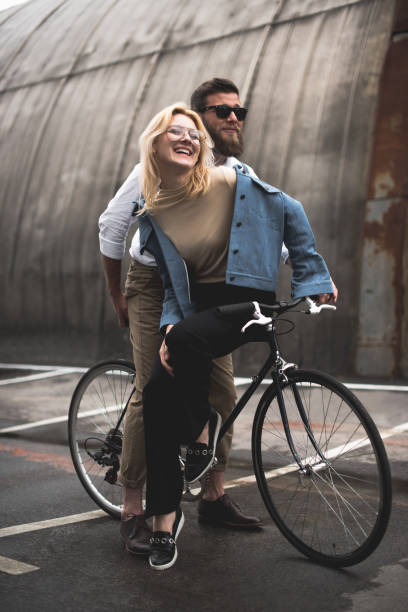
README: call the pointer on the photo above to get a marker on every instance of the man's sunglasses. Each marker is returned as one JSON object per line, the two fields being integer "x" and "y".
{"x": 223, "y": 111}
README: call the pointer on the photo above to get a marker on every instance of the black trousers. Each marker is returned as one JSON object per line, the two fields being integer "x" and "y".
{"x": 176, "y": 409}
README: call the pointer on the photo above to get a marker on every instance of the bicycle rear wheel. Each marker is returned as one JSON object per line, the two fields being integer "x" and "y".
{"x": 95, "y": 440}
{"x": 336, "y": 510}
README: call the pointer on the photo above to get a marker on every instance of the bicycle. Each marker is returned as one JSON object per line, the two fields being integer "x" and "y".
{"x": 319, "y": 460}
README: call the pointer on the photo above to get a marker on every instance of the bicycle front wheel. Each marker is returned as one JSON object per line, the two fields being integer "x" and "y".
{"x": 95, "y": 427}
{"x": 335, "y": 507}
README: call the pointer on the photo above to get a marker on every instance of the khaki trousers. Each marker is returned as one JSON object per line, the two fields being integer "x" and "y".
{"x": 144, "y": 294}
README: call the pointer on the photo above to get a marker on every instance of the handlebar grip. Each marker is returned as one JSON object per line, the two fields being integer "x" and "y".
{"x": 242, "y": 309}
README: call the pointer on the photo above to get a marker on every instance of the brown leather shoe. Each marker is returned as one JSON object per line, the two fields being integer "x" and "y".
{"x": 135, "y": 535}
{"x": 226, "y": 513}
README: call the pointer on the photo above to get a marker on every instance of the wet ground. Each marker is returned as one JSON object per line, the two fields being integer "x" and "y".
{"x": 55, "y": 555}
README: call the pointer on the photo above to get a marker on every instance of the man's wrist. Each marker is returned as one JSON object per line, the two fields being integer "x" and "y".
{"x": 116, "y": 293}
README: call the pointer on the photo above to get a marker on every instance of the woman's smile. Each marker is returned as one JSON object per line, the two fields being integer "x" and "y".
{"x": 179, "y": 145}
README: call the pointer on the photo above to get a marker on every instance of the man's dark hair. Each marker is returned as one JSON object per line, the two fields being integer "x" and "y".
{"x": 216, "y": 85}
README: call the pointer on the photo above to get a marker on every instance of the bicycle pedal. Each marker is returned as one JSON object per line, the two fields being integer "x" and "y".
{"x": 192, "y": 495}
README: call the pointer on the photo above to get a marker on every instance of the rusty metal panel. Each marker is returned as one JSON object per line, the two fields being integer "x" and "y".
{"x": 380, "y": 302}
{"x": 383, "y": 335}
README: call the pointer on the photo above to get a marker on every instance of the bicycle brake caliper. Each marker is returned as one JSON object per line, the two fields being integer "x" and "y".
{"x": 283, "y": 366}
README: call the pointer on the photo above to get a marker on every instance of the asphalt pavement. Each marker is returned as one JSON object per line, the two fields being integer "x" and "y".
{"x": 58, "y": 552}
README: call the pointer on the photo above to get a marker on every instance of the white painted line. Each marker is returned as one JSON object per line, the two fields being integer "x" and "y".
{"x": 385, "y": 433}
{"x": 60, "y": 419}
{"x": 33, "y": 377}
{"x": 94, "y": 514}
{"x": 11, "y": 566}
{"x": 57, "y": 522}
{"x": 29, "y": 366}
{"x": 356, "y": 386}
{"x": 367, "y": 387}
{"x": 238, "y": 380}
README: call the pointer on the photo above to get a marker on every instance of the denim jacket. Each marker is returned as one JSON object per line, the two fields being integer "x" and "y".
{"x": 264, "y": 217}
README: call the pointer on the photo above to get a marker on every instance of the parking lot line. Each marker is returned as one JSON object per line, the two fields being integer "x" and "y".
{"x": 353, "y": 386}
{"x": 56, "y": 522}
{"x": 11, "y": 566}
{"x": 94, "y": 514}
{"x": 42, "y": 376}
{"x": 60, "y": 419}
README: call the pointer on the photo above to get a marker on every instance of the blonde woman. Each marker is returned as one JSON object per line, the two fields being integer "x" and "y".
{"x": 216, "y": 234}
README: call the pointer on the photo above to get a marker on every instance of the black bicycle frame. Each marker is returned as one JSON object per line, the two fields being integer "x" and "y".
{"x": 256, "y": 381}
{"x": 273, "y": 363}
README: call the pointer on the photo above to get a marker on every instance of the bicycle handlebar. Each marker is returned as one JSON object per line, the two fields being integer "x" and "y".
{"x": 262, "y": 313}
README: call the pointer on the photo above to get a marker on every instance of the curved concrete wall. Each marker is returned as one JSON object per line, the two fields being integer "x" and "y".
{"x": 79, "y": 80}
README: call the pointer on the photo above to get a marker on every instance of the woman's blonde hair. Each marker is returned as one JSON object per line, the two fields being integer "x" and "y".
{"x": 150, "y": 177}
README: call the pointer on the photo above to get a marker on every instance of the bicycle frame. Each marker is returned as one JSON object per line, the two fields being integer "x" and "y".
{"x": 277, "y": 366}
{"x": 275, "y": 363}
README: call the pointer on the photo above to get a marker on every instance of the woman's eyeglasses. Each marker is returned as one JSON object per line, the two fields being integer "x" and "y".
{"x": 177, "y": 132}
{"x": 223, "y": 111}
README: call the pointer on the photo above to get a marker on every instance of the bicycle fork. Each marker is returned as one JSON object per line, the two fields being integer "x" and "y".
{"x": 278, "y": 374}
{"x": 305, "y": 469}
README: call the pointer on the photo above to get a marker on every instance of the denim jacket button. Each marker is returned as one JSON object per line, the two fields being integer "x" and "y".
{"x": 232, "y": 277}
{"x": 239, "y": 224}
{"x": 242, "y": 196}
{"x": 235, "y": 251}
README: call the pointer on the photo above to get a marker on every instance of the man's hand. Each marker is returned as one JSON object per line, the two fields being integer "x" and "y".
{"x": 112, "y": 269}
{"x": 165, "y": 354}
{"x": 335, "y": 294}
{"x": 328, "y": 298}
{"x": 324, "y": 298}
{"x": 121, "y": 309}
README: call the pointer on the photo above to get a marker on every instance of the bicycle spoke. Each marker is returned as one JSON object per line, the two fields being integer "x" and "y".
{"x": 95, "y": 439}
{"x": 333, "y": 509}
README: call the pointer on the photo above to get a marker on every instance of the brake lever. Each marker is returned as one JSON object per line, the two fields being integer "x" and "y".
{"x": 259, "y": 318}
{"x": 316, "y": 309}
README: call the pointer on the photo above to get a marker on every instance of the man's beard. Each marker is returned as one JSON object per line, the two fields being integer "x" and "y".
{"x": 228, "y": 147}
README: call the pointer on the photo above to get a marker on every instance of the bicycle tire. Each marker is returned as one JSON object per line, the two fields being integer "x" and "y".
{"x": 336, "y": 511}
{"x": 97, "y": 403}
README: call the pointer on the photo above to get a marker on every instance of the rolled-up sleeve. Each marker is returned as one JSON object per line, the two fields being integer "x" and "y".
{"x": 310, "y": 274}
{"x": 115, "y": 221}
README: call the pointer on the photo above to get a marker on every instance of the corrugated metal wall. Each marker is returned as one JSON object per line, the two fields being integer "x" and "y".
{"x": 79, "y": 79}
{"x": 383, "y": 332}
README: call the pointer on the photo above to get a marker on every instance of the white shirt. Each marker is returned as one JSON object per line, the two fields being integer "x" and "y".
{"x": 116, "y": 220}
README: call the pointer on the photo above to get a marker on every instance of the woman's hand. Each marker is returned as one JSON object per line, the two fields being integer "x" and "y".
{"x": 165, "y": 354}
